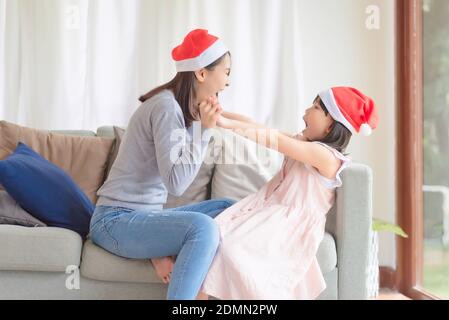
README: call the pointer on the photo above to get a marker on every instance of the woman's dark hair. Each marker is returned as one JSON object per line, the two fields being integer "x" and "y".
{"x": 339, "y": 136}
{"x": 183, "y": 87}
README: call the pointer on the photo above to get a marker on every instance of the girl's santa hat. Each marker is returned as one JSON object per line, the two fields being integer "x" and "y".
{"x": 198, "y": 50}
{"x": 351, "y": 108}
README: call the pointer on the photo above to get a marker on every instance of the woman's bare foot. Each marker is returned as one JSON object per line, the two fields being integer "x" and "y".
{"x": 202, "y": 296}
{"x": 163, "y": 267}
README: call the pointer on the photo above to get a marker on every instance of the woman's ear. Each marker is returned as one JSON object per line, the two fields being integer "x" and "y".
{"x": 200, "y": 75}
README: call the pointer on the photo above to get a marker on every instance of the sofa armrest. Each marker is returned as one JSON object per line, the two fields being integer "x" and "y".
{"x": 49, "y": 249}
{"x": 353, "y": 231}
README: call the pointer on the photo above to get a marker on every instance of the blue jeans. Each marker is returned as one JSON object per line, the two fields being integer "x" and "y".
{"x": 188, "y": 232}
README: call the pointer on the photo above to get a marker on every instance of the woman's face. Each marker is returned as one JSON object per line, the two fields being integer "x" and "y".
{"x": 211, "y": 82}
{"x": 318, "y": 124}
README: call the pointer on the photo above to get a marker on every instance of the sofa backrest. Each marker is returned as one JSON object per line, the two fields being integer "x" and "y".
{"x": 82, "y": 133}
{"x": 60, "y": 148}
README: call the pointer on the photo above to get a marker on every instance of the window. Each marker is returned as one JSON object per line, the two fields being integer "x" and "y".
{"x": 423, "y": 147}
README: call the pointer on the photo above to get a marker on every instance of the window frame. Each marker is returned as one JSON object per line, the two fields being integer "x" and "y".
{"x": 409, "y": 101}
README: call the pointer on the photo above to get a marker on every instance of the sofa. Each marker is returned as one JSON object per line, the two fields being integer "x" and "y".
{"x": 56, "y": 263}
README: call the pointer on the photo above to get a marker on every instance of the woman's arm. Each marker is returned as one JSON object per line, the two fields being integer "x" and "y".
{"x": 297, "y": 148}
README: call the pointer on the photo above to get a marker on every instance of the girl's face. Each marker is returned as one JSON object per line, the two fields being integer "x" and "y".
{"x": 211, "y": 82}
{"x": 318, "y": 124}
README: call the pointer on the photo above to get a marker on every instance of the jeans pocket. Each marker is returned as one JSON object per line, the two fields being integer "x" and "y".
{"x": 108, "y": 231}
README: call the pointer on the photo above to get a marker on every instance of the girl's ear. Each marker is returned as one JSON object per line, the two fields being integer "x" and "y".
{"x": 329, "y": 128}
{"x": 200, "y": 75}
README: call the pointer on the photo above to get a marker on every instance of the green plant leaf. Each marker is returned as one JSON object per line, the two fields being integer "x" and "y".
{"x": 381, "y": 225}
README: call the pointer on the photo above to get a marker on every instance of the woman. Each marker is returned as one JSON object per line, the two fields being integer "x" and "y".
{"x": 158, "y": 154}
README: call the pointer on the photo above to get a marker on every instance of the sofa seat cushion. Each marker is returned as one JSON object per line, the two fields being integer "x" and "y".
{"x": 38, "y": 249}
{"x": 99, "y": 264}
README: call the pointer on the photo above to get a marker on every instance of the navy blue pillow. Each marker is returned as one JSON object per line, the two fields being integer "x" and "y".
{"x": 45, "y": 191}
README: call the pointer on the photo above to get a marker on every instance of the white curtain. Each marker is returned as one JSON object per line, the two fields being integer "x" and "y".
{"x": 81, "y": 64}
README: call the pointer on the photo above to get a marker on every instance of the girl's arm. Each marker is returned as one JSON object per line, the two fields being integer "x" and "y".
{"x": 304, "y": 151}
{"x": 236, "y": 116}
{"x": 242, "y": 118}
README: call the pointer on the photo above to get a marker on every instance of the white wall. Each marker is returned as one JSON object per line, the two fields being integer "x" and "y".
{"x": 339, "y": 50}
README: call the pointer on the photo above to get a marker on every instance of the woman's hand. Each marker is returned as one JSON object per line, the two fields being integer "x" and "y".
{"x": 210, "y": 111}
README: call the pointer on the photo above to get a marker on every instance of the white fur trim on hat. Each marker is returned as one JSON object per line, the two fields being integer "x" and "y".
{"x": 328, "y": 99}
{"x": 215, "y": 51}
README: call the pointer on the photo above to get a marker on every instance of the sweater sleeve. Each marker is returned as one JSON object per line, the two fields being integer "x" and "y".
{"x": 179, "y": 151}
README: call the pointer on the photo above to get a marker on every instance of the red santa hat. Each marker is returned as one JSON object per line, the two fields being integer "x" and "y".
{"x": 198, "y": 50}
{"x": 352, "y": 108}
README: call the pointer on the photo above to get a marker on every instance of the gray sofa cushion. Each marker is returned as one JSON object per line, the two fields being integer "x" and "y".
{"x": 12, "y": 213}
{"x": 99, "y": 264}
{"x": 38, "y": 249}
{"x": 327, "y": 254}
{"x": 243, "y": 166}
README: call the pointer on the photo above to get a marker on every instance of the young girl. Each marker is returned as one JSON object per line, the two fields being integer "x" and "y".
{"x": 268, "y": 240}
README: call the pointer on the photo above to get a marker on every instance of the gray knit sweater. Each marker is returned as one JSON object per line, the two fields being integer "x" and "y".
{"x": 157, "y": 155}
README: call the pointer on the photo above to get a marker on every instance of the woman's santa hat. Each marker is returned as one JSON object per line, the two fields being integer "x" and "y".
{"x": 198, "y": 50}
{"x": 351, "y": 108}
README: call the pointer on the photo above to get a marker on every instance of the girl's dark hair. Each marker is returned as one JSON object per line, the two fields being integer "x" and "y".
{"x": 183, "y": 87}
{"x": 339, "y": 136}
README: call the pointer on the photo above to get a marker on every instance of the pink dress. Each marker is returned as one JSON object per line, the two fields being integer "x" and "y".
{"x": 269, "y": 240}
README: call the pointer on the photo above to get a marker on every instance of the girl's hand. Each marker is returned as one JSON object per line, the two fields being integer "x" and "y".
{"x": 209, "y": 110}
{"x": 225, "y": 123}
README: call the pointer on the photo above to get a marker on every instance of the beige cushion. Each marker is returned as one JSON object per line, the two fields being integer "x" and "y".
{"x": 83, "y": 158}
{"x": 99, "y": 264}
{"x": 38, "y": 249}
{"x": 118, "y": 136}
{"x": 243, "y": 166}
{"x": 12, "y": 213}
